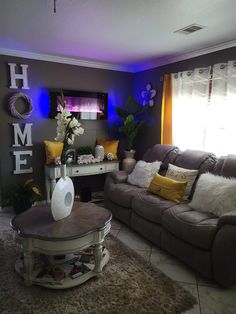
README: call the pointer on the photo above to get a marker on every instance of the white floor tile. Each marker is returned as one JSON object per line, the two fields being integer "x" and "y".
{"x": 133, "y": 240}
{"x": 114, "y": 232}
{"x": 144, "y": 254}
{"x": 115, "y": 224}
{"x": 193, "y": 290}
{"x": 201, "y": 281}
{"x": 216, "y": 300}
{"x": 173, "y": 268}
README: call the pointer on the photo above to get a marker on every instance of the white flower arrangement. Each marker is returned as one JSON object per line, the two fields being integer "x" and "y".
{"x": 67, "y": 128}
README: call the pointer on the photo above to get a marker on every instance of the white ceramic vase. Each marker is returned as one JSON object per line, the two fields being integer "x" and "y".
{"x": 99, "y": 152}
{"x": 62, "y": 196}
{"x": 128, "y": 162}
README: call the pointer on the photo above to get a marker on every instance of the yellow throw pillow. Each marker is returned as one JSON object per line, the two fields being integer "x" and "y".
{"x": 53, "y": 149}
{"x": 167, "y": 188}
{"x": 110, "y": 146}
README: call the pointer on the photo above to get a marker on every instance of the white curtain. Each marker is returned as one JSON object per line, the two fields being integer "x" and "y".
{"x": 190, "y": 94}
{"x": 221, "y": 125}
{"x": 204, "y": 109}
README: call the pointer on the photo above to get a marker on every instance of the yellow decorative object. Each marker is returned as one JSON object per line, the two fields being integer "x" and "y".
{"x": 167, "y": 188}
{"x": 110, "y": 146}
{"x": 53, "y": 149}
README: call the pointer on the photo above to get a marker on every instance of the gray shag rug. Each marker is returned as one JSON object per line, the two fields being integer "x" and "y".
{"x": 128, "y": 285}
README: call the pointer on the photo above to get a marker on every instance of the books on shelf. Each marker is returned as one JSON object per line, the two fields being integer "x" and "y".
{"x": 74, "y": 266}
{"x": 78, "y": 269}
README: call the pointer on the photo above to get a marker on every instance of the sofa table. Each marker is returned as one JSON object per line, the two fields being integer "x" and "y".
{"x": 40, "y": 236}
{"x": 53, "y": 172}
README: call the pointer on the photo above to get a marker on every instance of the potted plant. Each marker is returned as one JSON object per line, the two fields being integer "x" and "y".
{"x": 130, "y": 124}
{"x": 130, "y": 127}
{"x": 22, "y": 196}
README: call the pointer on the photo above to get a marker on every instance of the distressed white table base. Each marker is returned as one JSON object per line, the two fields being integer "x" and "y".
{"x": 53, "y": 172}
{"x": 24, "y": 266}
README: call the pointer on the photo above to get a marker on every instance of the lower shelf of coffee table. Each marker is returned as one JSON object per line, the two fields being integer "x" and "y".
{"x": 67, "y": 281}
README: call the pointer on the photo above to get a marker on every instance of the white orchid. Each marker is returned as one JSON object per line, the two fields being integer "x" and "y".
{"x": 67, "y": 128}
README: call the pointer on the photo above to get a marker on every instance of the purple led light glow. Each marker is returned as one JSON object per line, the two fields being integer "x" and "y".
{"x": 79, "y": 104}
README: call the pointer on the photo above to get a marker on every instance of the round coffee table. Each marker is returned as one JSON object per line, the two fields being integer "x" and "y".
{"x": 39, "y": 235}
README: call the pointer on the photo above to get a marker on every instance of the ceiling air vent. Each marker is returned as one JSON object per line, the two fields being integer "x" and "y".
{"x": 190, "y": 29}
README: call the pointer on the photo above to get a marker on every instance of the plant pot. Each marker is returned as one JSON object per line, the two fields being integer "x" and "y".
{"x": 22, "y": 206}
{"x": 128, "y": 162}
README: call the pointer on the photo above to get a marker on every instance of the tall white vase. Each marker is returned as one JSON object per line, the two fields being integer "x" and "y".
{"x": 128, "y": 162}
{"x": 62, "y": 196}
{"x": 99, "y": 152}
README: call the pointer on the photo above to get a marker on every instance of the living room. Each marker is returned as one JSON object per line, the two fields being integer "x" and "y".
{"x": 32, "y": 34}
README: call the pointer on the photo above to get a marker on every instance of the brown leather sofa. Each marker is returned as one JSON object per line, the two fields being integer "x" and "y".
{"x": 203, "y": 241}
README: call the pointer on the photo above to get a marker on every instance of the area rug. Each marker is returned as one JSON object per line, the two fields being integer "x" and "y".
{"x": 129, "y": 284}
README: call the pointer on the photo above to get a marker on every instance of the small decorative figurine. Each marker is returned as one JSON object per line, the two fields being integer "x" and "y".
{"x": 57, "y": 160}
{"x": 110, "y": 156}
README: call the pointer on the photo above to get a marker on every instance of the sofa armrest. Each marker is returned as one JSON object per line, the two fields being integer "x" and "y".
{"x": 227, "y": 219}
{"x": 119, "y": 176}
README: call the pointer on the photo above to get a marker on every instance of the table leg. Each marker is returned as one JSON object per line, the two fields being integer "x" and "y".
{"x": 28, "y": 262}
{"x": 47, "y": 185}
{"x": 98, "y": 258}
{"x": 53, "y": 184}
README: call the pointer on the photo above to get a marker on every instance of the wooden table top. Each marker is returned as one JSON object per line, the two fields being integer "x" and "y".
{"x": 37, "y": 222}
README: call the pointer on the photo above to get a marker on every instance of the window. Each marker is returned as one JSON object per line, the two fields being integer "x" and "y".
{"x": 204, "y": 109}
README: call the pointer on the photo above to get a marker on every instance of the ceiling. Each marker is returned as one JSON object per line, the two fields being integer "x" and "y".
{"x": 127, "y": 35}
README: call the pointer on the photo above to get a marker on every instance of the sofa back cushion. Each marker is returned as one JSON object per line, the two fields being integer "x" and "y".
{"x": 226, "y": 166}
{"x": 163, "y": 152}
{"x": 195, "y": 159}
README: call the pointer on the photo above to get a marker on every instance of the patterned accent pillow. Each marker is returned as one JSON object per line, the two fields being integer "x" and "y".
{"x": 143, "y": 173}
{"x": 182, "y": 174}
{"x": 214, "y": 194}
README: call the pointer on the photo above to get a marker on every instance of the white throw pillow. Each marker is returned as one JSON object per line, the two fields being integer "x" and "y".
{"x": 182, "y": 174}
{"x": 143, "y": 173}
{"x": 214, "y": 194}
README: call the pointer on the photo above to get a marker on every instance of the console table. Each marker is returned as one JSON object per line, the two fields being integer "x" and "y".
{"x": 37, "y": 233}
{"x": 53, "y": 172}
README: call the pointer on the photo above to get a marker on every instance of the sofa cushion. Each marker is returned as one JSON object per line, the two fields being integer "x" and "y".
{"x": 167, "y": 188}
{"x": 226, "y": 166}
{"x": 194, "y": 159}
{"x": 143, "y": 173}
{"x": 163, "y": 152}
{"x": 214, "y": 194}
{"x": 123, "y": 193}
{"x": 149, "y": 206}
{"x": 191, "y": 226}
{"x": 119, "y": 176}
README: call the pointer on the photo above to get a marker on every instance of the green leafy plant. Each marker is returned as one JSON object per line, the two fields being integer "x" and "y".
{"x": 22, "y": 196}
{"x": 84, "y": 150}
{"x": 131, "y": 124}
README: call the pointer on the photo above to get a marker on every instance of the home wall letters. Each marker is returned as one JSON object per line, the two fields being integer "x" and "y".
{"x": 22, "y": 136}
{"x": 25, "y": 137}
{"x": 15, "y": 76}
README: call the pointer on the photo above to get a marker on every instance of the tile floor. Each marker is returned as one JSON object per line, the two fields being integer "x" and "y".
{"x": 211, "y": 298}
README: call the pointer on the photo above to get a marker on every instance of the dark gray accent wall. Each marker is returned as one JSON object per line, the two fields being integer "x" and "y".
{"x": 151, "y": 131}
{"x": 45, "y": 75}
{"x": 41, "y": 77}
